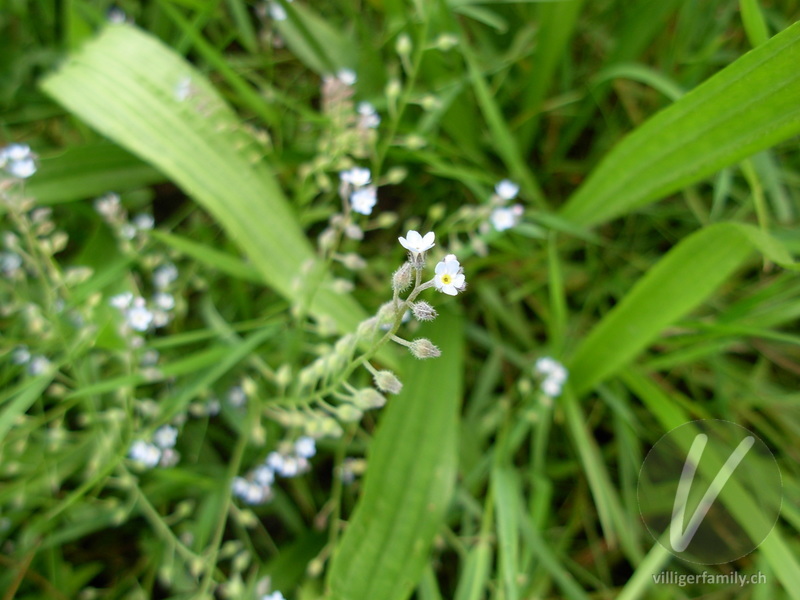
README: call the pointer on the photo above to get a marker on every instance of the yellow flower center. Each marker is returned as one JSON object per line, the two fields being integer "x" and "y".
{"x": 446, "y": 279}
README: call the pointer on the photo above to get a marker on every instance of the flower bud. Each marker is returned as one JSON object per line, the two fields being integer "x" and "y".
{"x": 423, "y": 311}
{"x": 386, "y": 381}
{"x": 369, "y": 398}
{"x": 446, "y": 42}
{"x": 353, "y": 261}
{"x": 402, "y": 278}
{"x": 403, "y": 45}
{"x": 348, "y": 413}
{"x": 423, "y": 348}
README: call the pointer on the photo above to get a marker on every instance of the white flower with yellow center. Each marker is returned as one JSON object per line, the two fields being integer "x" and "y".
{"x": 449, "y": 277}
{"x": 416, "y": 243}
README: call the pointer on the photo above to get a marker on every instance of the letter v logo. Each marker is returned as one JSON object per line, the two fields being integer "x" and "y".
{"x": 678, "y": 537}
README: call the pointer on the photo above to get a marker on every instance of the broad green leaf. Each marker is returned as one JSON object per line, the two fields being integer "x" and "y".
{"x": 751, "y": 105}
{"x": 688, "y": 274}
{"x": 411, "y": 474}
{"x": 124, "y": 84}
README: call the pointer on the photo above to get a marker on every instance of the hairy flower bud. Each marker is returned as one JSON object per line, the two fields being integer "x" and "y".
{"x": 423, "y": 311}
{"x": 402, "y": 278}
{"x": 423, "y": 348}
{"x": 369, "y": 398}
{"x": 386, "y": 381}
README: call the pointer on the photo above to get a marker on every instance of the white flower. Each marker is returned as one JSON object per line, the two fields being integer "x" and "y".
{"x": 10, "y": 262}
{"x": 18, "y": 160}
{"x": 138, "y": 316}
{"x": 449, "y": 277}
{"x": 363, "y": 200}
{"x": 263, "y": 475}
{"x": 357, "y": 176}
{"x": 305, "y": 447}
{"x": 38, "y": 365}
{"x": 273, "y": 596}
{"x": 108, "y": 206}
{"x": 165, "y": 275}
{"x": 127, "y": 231}
{"x": 555, "y": 375}
{"x": 369, "y": 116}
{"x": 545, "y": 365}
{"x": 505, "y": 218}
{"x": 164, "y": 301}
{"x": 20, "y": 355}
{"x": 249, "y": 491}
{"x": 507, "y": 189}
{"x": 165, "y": 436}
{"x": 276, "y": 11}
{"x": 346, "y": 76}
{"x": 417, "y": 244}
{"x": 145, "y": 453}
{"x": 275, "y": 461}
{"x": 143, "y": 222}
{"x": 121, "y": 301}
{"x": 551, "y": 388}
{"x": 236, "y": 396}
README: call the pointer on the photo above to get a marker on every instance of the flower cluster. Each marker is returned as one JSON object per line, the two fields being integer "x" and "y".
{"x": 554, "y": 376}
{"x": 505, "y": 217}
{"x": 324, "y": 382}
{"x": 355, "y": 187}
{"x": 290, "y": 461}
{"x": 131, "y": 232}
{"x": 35, "y": 364}
{"x": 160, "y": 451}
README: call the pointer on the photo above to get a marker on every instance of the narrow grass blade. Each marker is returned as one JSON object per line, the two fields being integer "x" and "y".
{"x": 747, "y": 107}
{"x": 557, "y": 24}
{"x": 25, "y": 396}
{"x": 412, "y": 469}
{"x": 745, "y": 509}
{"x": 124, "y": 84}
{"x": 216, "y": 259}
{"x": 508, "y": 504}
{"x": 753, "y": 21}
{"x": 314, "y": 41}
{"x": 88, "y": 171}
{"x": 688, "y": 274}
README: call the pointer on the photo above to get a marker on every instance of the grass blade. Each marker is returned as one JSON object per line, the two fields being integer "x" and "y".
{"x": 686, "y": 276}
{"x": 747, "y": 107}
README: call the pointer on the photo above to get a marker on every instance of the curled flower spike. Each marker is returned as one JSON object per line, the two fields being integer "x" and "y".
{"x": 416, "y": 243}
{"x": 449, "y": 277}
